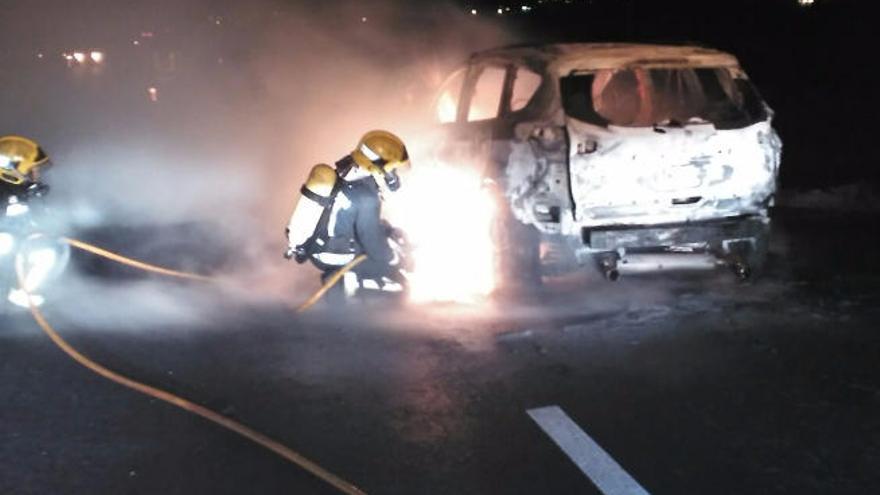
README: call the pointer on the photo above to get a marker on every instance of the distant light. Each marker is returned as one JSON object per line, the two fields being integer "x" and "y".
{"x": 79, "y": 56}
{"x": 40, "y": 55}
{"x": 153, "y": 93}
{"x": 146, "y": 34}
{"x": 500, "y": 11}
{"x": 135, "y": 42}
{"x": 68, "y": 57}
{"x": 525, "y": 8}
{"x": 473, "y": 11}
{"x": 363, "y": 19}
{"x": 806, "y": 3}
{"x": 97, "y": 57}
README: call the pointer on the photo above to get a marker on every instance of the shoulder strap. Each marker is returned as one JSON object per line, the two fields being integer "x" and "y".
{"x": 319, "y": 237}
{"x": 317, "y": 198}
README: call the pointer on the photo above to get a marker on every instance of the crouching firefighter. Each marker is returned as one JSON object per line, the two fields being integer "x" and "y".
{"x": 339, "y": 217}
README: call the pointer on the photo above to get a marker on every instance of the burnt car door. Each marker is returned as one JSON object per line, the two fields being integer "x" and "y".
{"x": 484, "y": 110}
{"x": 479, "y": 108}
{"x": 469, "y": 107}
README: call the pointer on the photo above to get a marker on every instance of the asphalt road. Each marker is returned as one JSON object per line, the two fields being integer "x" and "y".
{"x": 692, "y": 383}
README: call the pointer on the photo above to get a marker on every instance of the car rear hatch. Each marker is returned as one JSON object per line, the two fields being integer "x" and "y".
{"x": 652, "y": 146}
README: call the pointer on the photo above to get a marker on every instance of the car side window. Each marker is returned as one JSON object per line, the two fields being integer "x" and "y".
{"x": 525, "y": 85}
{"x": 485, "y": 101}
{"x": 446, "y": 105}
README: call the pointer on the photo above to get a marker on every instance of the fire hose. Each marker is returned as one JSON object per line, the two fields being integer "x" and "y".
{"x": 133, "y": 263}
{"x": 331, "y": 281}
{"x": 170, "y": 398}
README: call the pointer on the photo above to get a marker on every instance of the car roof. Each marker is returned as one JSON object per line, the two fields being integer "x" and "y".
{"x": 565, "y": 58}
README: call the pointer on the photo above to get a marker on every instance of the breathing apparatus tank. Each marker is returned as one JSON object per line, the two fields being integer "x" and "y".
{"x": 317, "y": 197}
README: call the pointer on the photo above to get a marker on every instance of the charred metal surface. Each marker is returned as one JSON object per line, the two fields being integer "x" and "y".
{"x": 641, "y": 176}
{"x": 707, "y": 235}
{"x": 537, "y": 178}
{"x": 564, "y": 175}
{"x": 569, "y": 57}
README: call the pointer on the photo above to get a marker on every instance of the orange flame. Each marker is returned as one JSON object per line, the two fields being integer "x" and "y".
{"x": 447, "y": 216}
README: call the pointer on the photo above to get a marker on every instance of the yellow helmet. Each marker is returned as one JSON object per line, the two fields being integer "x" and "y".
{"x": 19, "y": 159}
{"x": 381, "y": 153}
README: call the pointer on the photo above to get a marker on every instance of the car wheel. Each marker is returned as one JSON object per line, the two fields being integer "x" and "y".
{"x": 518, "y": 254}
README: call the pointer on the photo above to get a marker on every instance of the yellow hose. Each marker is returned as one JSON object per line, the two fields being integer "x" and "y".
{"x": 202, "y": 278}
{"x": 252, "y": 435}
{"x": 134, "y": 263}
{"x": 330, "y": 283}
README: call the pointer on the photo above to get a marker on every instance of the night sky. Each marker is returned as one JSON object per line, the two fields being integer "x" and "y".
{"x": 809, "y": 62}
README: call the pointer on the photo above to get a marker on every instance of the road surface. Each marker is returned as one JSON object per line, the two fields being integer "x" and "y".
{"x": 691, "y": 383}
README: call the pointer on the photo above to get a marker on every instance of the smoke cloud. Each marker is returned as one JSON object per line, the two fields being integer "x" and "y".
{"x": 248, "y": 97}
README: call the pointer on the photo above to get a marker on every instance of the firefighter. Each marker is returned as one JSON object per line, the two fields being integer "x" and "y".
{"x": 338, "y": 217}
{"x": 21, "y": 162}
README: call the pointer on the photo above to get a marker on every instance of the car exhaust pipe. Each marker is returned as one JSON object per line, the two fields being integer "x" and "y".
{"x": 608, "y": 265}
{"x": 612, "y": 274}
{"x": 740, "y": 268}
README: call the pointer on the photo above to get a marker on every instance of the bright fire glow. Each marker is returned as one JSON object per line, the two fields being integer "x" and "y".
{"x": 447, "y": 216}
{"x": 446, "y": 108}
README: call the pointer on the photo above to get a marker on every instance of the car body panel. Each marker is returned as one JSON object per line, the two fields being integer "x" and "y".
{"x": 639, "y": 176}
{"x": 566, "y": 176}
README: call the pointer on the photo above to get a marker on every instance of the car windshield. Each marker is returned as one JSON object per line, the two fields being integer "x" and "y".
{"x": 644, "y": 97}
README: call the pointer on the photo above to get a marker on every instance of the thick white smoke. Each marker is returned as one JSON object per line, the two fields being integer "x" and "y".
{"x": 249, "y": 97}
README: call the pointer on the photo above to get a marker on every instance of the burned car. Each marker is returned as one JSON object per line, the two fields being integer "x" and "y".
{"x": 602, "y": 152}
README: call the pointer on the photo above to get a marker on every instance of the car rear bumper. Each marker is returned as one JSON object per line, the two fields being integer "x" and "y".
{"x": 706, "y": 235}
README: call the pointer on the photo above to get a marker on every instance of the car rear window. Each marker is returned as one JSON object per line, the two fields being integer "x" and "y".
{"x": 642, "y": 97}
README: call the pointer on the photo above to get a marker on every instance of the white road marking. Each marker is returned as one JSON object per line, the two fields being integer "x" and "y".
{"x": 602, "y": 470}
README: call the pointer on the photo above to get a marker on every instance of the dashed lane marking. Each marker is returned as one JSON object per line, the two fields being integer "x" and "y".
{"x": 589, "y": 457}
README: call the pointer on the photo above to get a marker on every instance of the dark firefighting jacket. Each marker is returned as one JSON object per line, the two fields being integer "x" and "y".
{"x": 353, "y": 226}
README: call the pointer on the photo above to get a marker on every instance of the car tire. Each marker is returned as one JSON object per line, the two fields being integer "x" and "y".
{"x": 757, "y": 257}
{"x": 518, "y": 254}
